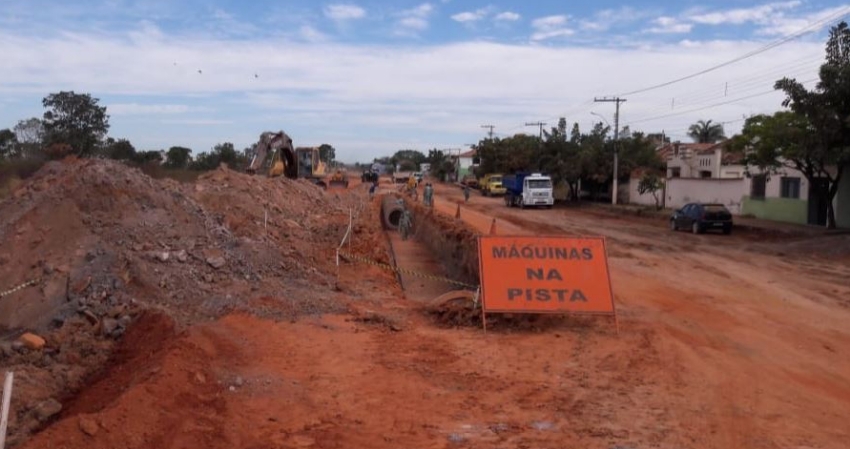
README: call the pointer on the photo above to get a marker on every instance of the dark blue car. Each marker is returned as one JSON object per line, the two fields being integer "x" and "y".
{"x": 698, "y": 218}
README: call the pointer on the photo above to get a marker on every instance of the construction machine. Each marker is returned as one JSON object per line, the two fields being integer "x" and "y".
{"x": 274, "y": 155}
{"x": 339, "y": 179}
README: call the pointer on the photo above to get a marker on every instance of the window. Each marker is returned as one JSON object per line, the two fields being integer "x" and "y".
{"x": 790, "y": 188}
{"x": 704, "y": 174}
{"x": 539, "y": 183}
{"x": 675, "y": 172}
{"x": 758, "y": 187}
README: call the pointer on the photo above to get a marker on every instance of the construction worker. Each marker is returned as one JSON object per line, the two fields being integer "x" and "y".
{"x": 405, "y": 223}
{"x": 428, "y": 195}
{"x": 465, "y": 193}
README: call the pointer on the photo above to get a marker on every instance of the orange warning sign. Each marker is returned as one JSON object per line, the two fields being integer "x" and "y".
{"x": 544, "y": 275}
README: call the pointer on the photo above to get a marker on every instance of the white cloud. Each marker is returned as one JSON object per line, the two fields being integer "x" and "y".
{"x": 467, "y": 16}
{"x": 472, "y": 16}
{"x": 342, "y": 12}
{"x": 413, "y": 21}
{"x": 303, "y": 86}
{"x": 607, "y": 18}
{"x": 780, "y": 25}
{"x": 146, "y": 109}
{"x": 669, "y": 25}
{"x": 757, "y": 14}
{"x": 550, "y": 27}
{"x": 549, "y": 22}
{"x": 311, "y": 34}
{"x": 507, "y": 16}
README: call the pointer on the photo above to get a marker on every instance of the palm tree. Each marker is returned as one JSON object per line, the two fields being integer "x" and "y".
{"x": 706, "y": 132}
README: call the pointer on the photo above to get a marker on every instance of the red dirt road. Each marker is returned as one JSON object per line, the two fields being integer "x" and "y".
{"x": 724, "y": 344}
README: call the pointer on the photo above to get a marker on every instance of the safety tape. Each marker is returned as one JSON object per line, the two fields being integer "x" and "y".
{"x": 406, "y": 271}
{"x": 26, "y": 284}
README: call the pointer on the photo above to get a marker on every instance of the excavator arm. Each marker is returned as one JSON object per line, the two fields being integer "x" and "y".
{"x": 274, "y": 156}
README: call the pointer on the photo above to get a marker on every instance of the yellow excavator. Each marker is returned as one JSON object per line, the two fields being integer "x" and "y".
{"x": 274, "y": 155}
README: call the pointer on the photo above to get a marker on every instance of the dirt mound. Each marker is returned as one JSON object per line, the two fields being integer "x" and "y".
{"x": 107, "y": 242}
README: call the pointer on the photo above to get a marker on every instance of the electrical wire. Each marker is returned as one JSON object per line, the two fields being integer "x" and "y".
{"x": 817, "y": 25}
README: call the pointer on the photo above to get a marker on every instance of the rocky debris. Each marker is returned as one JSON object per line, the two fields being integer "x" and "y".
{"x": 32, "y": 341}
{"x": 110, "y": 242}
{"x": 216, "y": 262}
{"x": 47, "y": 409}
{"x": 108, "y": 326}
{"x": 88, "y": 425}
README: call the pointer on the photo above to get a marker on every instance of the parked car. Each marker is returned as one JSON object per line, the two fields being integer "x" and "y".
{"x": 700, "y": 217}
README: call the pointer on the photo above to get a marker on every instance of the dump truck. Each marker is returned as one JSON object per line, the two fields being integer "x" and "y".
{"x": 528, "y": 189}
{"x": 491, "y": 184}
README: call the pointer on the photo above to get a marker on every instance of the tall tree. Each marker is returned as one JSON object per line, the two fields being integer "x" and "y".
{"x": 8, "y": 144}
{"x": 177, "y": 157}
{"x": 120, "y": 149}
{"x": 327, "y": 153}
{"x": 75, "y": 119}
{"x": 706, "y": 132}
{"x": 814, "y": 136}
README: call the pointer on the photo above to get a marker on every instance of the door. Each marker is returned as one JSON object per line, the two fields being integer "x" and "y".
{"x": 818, "y": 190}
{"x": 683, "y": 219}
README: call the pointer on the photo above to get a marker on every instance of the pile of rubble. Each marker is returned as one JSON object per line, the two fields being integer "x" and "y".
{"x": 103, "y": 242}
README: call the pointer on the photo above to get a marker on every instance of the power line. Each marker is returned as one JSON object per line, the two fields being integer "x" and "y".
{"x": 490, "y": 130}
{"x": 738, "y": 90}
{"x": 710, "y": 106}
{"x": 808, "y": 29}
{"x": 538, "y": 124}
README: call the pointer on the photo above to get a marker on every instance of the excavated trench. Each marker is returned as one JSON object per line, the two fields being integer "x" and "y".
{"x": 439, "y": 248}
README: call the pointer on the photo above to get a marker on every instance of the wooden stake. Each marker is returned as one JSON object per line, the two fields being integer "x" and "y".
{"x": 4, "y": 412}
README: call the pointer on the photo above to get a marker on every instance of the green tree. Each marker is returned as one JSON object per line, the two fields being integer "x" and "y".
{"x": 651, "y": 183}
{"x": 8, "y": 144}
{"x": 441, "y": 164}
{"x": 75, "y": 119}
{"x": 147, "y": 157}
{"x": 177, "y": 157}
{"x": 120, "y": 149}
{"x": 30, "y": 135}
{"x": 327, "y": 153}
{"x": 814, "y": 136}
{"x": 706, "y": 132}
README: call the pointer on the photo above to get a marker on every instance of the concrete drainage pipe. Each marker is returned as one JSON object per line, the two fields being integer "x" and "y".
{"x": 391, "y": 212}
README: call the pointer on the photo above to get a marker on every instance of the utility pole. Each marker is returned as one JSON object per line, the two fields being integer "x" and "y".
{"x": 540, "y": 125}
{"x": 616, "y": 100}
{"x": 490, "y": 130}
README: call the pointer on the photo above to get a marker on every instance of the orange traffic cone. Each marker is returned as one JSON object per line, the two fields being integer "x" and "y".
{"x": 493, "y": 227}
{"x": 457, "y": 213}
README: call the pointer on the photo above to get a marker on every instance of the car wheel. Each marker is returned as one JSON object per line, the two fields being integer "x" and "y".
{"x": 673, "y": 226}
{"x": 727, "y": 230}
{"x": 695, "y": 228}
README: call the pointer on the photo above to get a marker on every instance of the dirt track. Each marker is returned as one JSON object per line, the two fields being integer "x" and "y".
{"x": 724, "y": 344}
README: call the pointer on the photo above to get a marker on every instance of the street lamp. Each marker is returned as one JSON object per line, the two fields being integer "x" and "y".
{"x": 616, "y": 150}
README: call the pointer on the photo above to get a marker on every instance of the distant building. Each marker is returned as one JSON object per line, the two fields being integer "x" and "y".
{"x": 466, "y": 163}
{"x": 709, "y": 173}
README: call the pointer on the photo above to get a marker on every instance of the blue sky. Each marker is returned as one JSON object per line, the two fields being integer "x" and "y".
{"x": 371, "y": 77}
